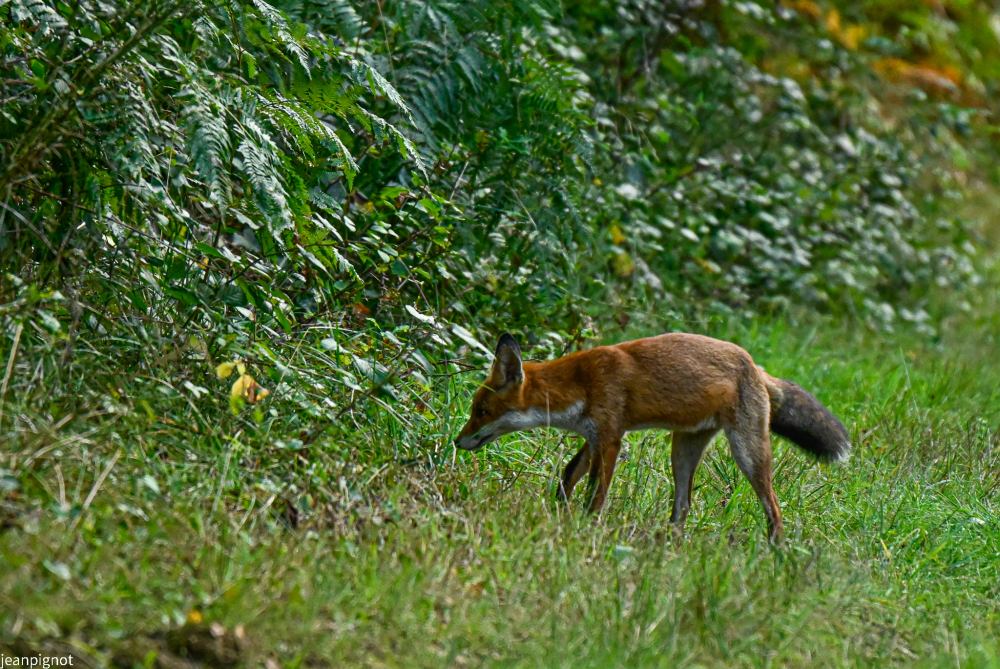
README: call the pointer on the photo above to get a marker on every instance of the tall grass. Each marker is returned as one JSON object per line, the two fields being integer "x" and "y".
{"x": 388, "y": 548}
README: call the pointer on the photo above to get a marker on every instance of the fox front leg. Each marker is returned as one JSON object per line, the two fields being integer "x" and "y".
{"x": 602, "y": 468}
{"x": 573, "y": 472}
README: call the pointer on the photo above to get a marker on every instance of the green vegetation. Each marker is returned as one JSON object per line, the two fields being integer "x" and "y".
{"x": 392, "y": 550}
{"x": 343, "y": 203}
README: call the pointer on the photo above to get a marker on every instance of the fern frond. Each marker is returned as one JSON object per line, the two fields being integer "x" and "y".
{"x": 366, "y": 75}
{"x": 209, "y": 145}
{"x": 262, "y": 165}
{"x": 279, "y": 24}
{"x": 332, "y": 17}
{"x": 382, "y": 130}
{"x": 38, "y": 13}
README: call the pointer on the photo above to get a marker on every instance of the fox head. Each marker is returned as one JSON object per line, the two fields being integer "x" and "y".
{"x": 496, "y": 407}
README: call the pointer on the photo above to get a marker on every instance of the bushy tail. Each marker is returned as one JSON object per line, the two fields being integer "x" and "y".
{"x": 797, "y": 415}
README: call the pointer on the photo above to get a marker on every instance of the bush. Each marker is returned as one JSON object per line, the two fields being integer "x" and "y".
{"x": 213, "y": 180}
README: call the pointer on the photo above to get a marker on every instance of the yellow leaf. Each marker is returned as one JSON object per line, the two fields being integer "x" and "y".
{"x": 241, "y": 385}
{"x": 246, "y": 388}
{"x": 194, "y": 617}
{"x": 240, "y": 367}
{"x": 623, "y": 264}
{"x": 224, "y": 370}
{"x": 885, "y": 550}
{"x": 849, "y": 35}
{"x": 852, "y": 36}
{"x": 617, "y": 236}
{"x": 807, "y": 7}
{"x": 833, "y": 21}
{"x": 708, "y": 265}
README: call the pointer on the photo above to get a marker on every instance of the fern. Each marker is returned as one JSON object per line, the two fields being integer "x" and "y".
{"x": 331, "y": 17}
{"x": 262, "y": 165}
{"x": 209, "y": 145}
{"x": 38, "y": 13}
{"x": 310, "y": 153}
{"x": 367, "y": 75}
{"x": 278, "y": 25}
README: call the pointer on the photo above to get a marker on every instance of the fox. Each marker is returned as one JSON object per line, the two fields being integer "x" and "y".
{"x": 690, "y": 384}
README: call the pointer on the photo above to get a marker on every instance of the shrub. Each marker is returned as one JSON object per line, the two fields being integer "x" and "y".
{"x": 212, "y": 180}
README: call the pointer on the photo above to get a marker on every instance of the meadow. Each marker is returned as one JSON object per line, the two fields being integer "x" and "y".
{"x": 129, "y": 534}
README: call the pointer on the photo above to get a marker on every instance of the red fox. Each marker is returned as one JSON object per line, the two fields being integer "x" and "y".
{"x": 691, "y": 384}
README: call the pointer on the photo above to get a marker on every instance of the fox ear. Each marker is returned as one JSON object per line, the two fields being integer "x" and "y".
{"x": 507, "y": 365}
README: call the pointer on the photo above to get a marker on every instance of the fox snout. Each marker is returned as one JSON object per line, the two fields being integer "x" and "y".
{"x": 472, "y": 442}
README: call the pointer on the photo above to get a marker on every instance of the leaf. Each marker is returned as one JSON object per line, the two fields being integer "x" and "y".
{"x": 225, "y": 370}
{"x": 150, "y": 483}
{"x": 247, "y": 389}
{"x": 617, "y": 236}
{"x": 277, "y": 22}
{"x": 468, "y": 338}
{"x": 262, "y": 167}
{"x": 183, "y": 295}
{"x": 59, "y": 569}
{"x": 623, "y": 264}
{"x": 423, "y": 318}
{"x": 379, "y": 84}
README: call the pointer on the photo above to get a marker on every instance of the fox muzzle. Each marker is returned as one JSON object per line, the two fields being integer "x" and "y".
{"x": 473, "y": 442}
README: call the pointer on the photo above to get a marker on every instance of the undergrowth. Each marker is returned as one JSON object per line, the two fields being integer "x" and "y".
{"x": 126, "y": 530}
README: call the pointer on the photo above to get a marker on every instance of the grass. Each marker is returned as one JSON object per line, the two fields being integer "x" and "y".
{"x": 153, "y": 525}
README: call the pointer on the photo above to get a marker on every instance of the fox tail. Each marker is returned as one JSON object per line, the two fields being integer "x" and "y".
{"x": 800, "y": 417}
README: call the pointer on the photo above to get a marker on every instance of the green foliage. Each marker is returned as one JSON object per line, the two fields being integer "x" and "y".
{"x": 232, "y": 171}
{"x": 386, "y": 185}
{"x": 338, "y": 202}
{"x": 384, "y": 546}
{"x": 183, "y": 172}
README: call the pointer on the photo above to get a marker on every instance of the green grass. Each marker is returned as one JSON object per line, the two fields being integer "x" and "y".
{"x": 379, "y": 545}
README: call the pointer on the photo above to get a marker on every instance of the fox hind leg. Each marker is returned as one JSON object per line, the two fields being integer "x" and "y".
{"x": 750, "y": 444}
{"x": 685, "y": 455}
